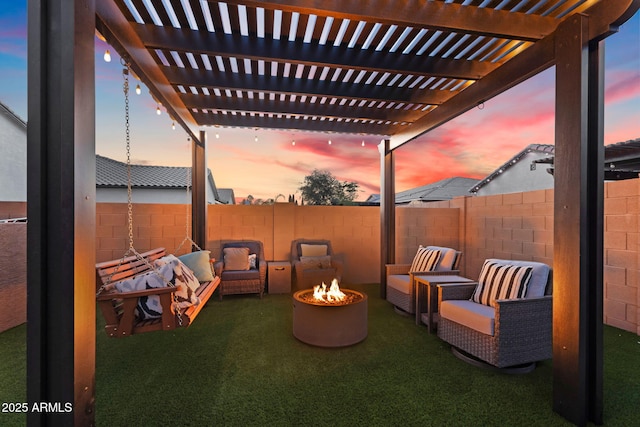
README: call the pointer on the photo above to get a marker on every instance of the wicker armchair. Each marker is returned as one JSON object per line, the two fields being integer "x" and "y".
{"x": 307, "y": 275}
{"x": 249, "y": 281}
{"x": 401, "y": 285}
{"x": 513, "y": 335}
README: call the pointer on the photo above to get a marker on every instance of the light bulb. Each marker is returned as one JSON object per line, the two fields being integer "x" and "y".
{"x": 173, "y": 125}
{"x": 107, "y": 56}
{"x": 255, "y": 139}
{"x": 158, "y": 112}
{"x": 329, "y": 142}
{"x": 217, "y": 136}
{"x": 138, "y": 90}
{"x": 363, "y": 143}
{"x": 293, "y": 142}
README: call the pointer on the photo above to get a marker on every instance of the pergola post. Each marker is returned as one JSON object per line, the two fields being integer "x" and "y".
{"x": 199, "y": 191}
{"x": 578, "y": 210}
{"x": 387, "y": 212}
{"x": 61, "y": 210}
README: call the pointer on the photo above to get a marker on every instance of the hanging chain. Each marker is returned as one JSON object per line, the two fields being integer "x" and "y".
{"x": 125, "y": 74}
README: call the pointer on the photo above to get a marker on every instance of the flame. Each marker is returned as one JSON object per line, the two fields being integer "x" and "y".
{"x": 334, "y": 294}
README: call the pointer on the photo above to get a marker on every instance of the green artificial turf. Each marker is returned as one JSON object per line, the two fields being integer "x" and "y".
{"x": 240, "y": 365}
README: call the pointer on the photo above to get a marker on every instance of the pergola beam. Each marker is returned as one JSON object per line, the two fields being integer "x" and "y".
{"x": 423, "y": 14}
{"x": 298, "y": 52}
{"x": 214, "y": 79}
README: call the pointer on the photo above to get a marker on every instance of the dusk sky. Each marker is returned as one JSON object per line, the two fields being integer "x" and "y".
{"x": 473, "y": 145}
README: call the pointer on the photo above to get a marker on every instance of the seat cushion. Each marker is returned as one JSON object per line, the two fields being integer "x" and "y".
{"x": 399, "y": 282}
{"x": 539, "y": 277}
{"x": 240, "y": 275}
{"x": 470, "y": 314}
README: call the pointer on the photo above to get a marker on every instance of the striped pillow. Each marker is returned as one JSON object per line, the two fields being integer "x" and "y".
{"x": 425, "y": 260}
{"x": 501, "y": 281}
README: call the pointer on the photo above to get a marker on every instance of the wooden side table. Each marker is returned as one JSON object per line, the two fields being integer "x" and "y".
{"x": 279, "y": 277}
{"x": 430, "y": 283}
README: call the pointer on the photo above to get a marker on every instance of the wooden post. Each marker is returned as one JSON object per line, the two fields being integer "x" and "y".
{"x": 61, "y": 185}
{"x": 578, "y": 211}
{"x": 199, "y": 191}
{"x": 387, "y": 212}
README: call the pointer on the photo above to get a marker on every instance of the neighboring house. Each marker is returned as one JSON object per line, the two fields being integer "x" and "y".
{"x": 446, "y": 189}
{"x": 150, "y": 184}
{"x": 13, "y": 161}
{"x": 532, "y": 168}
{"x": 522, "y": 172}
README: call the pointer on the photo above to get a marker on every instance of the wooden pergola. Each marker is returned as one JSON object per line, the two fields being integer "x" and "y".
{"x": 381, "y": 67}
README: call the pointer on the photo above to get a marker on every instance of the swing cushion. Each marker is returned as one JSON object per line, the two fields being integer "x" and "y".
{"x": 199, "y": 263}
{"x": 173, "y": 271}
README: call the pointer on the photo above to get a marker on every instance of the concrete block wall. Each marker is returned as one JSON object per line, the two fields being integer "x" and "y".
{"x": 10, "y": 210}
{"x": 13, "y": 275}
{"x": 509, "y": 226}
{"x": 621, "y": 262}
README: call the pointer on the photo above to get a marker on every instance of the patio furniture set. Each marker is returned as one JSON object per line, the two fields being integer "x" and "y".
{"x": 155, "y": 291}
{"x": 502, "y": 320}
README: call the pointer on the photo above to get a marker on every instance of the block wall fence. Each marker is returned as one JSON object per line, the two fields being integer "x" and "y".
{"x": 512, "y": 226}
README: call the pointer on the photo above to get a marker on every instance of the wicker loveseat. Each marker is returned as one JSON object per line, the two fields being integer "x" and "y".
{"x": 309, "y": 273}
{"x": 236, "y": 276}
{"x": 400, "y": 281}
{"x": 512, "y": 333}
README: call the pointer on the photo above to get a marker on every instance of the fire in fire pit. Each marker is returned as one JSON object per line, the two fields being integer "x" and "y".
{"x": 330, "y": 318}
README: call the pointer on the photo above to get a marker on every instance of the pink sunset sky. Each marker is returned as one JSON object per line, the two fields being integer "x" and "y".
{"x": 473, "y": 145}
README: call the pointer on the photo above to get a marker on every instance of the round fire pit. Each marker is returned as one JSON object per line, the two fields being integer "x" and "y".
{"x": 330, "y": 324}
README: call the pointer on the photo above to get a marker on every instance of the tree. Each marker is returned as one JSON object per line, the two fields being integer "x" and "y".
{"x": 322, "y": 188}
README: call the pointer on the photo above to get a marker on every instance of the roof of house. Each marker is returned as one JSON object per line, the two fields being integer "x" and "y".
{"x": 112, "y": 173}
{"x": 446, "y": 189}
{"x": 622, "y": 160}
{"x": 6, "y": 111}
{"x": 537, "y": 148}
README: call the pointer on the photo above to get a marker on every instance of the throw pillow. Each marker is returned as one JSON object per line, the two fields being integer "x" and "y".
{"x": 198, "y": 262}
{"x": 309, "y": 262}
{"x": 236, "y": 258}
{"x": 253, "y": 261}
{"x": 312, "y": 250}
{"x": 501, "y": 281}
{"x": 425, "y": 260}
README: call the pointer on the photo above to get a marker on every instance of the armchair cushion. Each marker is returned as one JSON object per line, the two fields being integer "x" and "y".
{"x": 539, "y": 278}
{"x": 470, "y": 314}
{"x": 447, "y": 259}
{"x": 315, "y": 262}
{"x": 236, "y": 258}
{"x": 400, "y": 282}
{"x": 425, "y": 259}
{"x": 501, "y": 281}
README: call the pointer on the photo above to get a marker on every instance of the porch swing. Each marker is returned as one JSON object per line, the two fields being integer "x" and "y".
{"x": 158, "y": 304}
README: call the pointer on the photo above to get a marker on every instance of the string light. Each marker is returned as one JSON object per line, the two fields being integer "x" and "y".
{"x": 158, "y": 112}
{"x": 329, "y": 142}
{"x": 107, "y": 56}
{"x": 138, "y": 90}
{"x": 363, "y": 142}
{"x": 173, "y": 125}
{"x": 217, "y": 136}
{"x": 293, "y": 142}
{"x": 256, "y": 138}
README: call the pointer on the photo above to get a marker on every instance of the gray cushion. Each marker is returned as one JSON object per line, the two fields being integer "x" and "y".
{"x": 399, "y": 282}
{"x": 447, "y": 258}
{"x": 470, "y": 314}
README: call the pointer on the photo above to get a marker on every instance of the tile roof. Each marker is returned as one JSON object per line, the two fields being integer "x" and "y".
{"x": 113, "y": 174}
{"x": 446, "y": 189}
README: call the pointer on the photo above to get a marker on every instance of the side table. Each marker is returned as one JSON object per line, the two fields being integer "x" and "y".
{"x": 430, "y": 283}
{"x": 279, "y": 277}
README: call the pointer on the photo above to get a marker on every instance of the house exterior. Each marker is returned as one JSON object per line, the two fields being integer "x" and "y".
{"x": 532, "y": 168}
{"x": 446, "y": 189}
{"x": 13, "y": 162}
{"x": 151, "y": 184}
{"x": 522, "y": 172}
